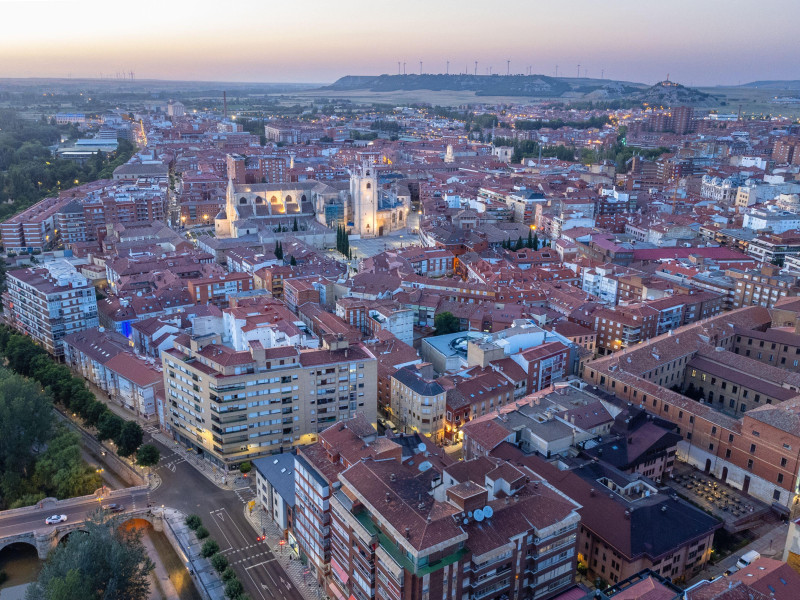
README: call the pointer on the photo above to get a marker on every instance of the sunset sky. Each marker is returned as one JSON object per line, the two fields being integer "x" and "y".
{"x": 698, "y": 42}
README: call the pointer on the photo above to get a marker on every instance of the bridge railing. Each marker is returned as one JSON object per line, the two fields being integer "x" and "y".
{"x": 53, "y": 503}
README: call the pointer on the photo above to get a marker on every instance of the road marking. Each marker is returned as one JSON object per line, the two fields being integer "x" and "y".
{"x": 259, "y": 588}
{"x": 230, "y": 546}
{"x": 259, "y": 564}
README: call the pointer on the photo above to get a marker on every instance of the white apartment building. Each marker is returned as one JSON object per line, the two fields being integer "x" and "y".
{"x": 50, "y": 302}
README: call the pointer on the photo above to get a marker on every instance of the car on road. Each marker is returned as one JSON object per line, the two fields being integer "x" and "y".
{"x": 113, "y": 507}
{"x": 55, "y": 519}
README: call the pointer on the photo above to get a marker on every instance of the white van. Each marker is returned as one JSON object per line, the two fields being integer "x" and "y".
{"x": 747, "y": 559}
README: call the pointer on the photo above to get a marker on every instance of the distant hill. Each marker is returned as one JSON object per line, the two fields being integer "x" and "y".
{"x": 669, "y": 93}
{"x": 780, "y": 84}
{"x": 539, "y": 86}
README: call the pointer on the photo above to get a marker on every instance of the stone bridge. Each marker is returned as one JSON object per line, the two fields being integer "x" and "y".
{"x": 27, "y": 525}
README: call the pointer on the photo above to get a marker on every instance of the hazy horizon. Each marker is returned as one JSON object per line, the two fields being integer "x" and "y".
{"x": 308, "y": 41}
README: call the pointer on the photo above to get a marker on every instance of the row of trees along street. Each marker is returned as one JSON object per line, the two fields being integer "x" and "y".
{"x": 37, "y": 458}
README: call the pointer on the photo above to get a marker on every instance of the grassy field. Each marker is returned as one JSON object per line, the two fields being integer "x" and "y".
{"x": 753, "y": 102}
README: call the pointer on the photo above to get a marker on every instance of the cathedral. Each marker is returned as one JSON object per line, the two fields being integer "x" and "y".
{"x": 364, "y": 207}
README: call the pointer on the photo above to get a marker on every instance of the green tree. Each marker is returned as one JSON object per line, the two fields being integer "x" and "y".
{"x": 210, "y": 548}
{"x": 109, "y": 426}
{"x": 130, "y": 438}
{"x": 519, "y": 244}
{"x": 107, "y": 562}
{"x": 535, "y": 241}
{"x": 294, "y": 225}
{"x": 446, "y": 322}
{"x": 95, "y": 411}
{"x": 246, "y": 467}
{"x": 60, "y": 470}
{"x": 219, "y": 562}
{"x": 292, "y": 260}
{"x": 228, "y": 574}
{"x": 26, "y": 420}
{"x": 193, "y": 522}
{"x": 202, "y": 533}
{"x": 233, "y": 588}
{"x": 529, "y": 242}
{"x": 148, "y": 455}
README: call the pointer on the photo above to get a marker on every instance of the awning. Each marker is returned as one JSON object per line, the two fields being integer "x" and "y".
{"x": 339, "y": 571}
{"x": 335, "y": 591}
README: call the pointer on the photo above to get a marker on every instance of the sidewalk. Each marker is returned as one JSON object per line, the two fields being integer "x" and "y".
{"x": 305, "y": 583}
{"x": 206, "y": 579}
{"x": 768, "y": 545}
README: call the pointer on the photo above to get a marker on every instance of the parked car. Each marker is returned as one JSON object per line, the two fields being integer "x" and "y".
{"x": 731, "y": 571}
{"x": 55, "y": 519}
{"x": 113, "y": 507}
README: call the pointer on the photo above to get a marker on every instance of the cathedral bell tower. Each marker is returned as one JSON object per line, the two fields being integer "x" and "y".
{"x": 364, "y": 198}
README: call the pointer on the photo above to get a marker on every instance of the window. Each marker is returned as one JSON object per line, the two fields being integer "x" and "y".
{"x": 728, "y": 453}
{"x": 730, "y": 437}
{"x": 783, "y": 462}
{"x": 776, "y": 495}
{"x": 752, "y": 448}
{"x": 780, "y": 477}
{"x": 749, "y": 463}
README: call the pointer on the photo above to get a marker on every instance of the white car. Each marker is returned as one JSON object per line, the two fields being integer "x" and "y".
{"x": 55, "y": 519}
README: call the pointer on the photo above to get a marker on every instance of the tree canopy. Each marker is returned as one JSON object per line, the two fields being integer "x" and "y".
{"x": 107, "y": 562}
{"x": 446, "y": 322}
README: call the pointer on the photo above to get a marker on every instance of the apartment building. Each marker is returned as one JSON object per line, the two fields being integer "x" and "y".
{"x": 105, "y": 358}
{"x": 627, "y": 525}
{"x": 762, "y": 287}
{"x": 218, "y": 289}
{"x": 50, "y": 302}
{"x": 479, "y": 529}
{"x": 418, "y": 401}
{"x": 236, "y": 405}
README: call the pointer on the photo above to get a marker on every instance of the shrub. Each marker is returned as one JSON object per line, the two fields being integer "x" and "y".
{"x": 193, "y": 522}
{"x": 228, "y": 574}
{"x": 201, "y": 533}
{"x": 210, "y": 548}
{"x": 219, "y": 562}
{"x": 233, "y": 588}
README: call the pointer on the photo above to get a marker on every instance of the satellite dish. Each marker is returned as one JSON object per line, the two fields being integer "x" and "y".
{"x": 421, "y": 447}
{"x": 425, "y": 466}
{"x": 466, "y": 521}
{"x": 469, "y": 514}
{"x": 479, "y": 515}
{"x": 488, "y": 511}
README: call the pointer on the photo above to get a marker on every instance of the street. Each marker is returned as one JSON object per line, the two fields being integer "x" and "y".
{"x": 75, "y": 510}
{"x": 222, "y": 511}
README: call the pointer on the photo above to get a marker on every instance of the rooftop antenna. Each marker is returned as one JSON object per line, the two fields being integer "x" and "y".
{"x": 420, "y": 67}
{"x": 447, "y": 72}
{"x": 398, "y": 67}
{"x": 404, "y": 68}
{"x": 476, "y": 67}
{"x": 508, "y": 67}
{"x": 579, "y": 71}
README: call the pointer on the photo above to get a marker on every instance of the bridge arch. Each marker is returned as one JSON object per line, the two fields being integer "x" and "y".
{"x": 26, "y": 541}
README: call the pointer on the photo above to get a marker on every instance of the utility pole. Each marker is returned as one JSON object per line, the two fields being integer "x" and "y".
{"x": 508, "y": 67}
{"x": 420, "y": 67}
{"x": 476, "y": 67}
{"x": 579, "y": 71}
{"x": 404, "y": 68}
{"x": 447, "y": 72}
{"x": 398, "y": 67}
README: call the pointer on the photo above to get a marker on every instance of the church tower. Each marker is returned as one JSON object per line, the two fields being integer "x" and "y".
{"x": 364, "y": 198}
